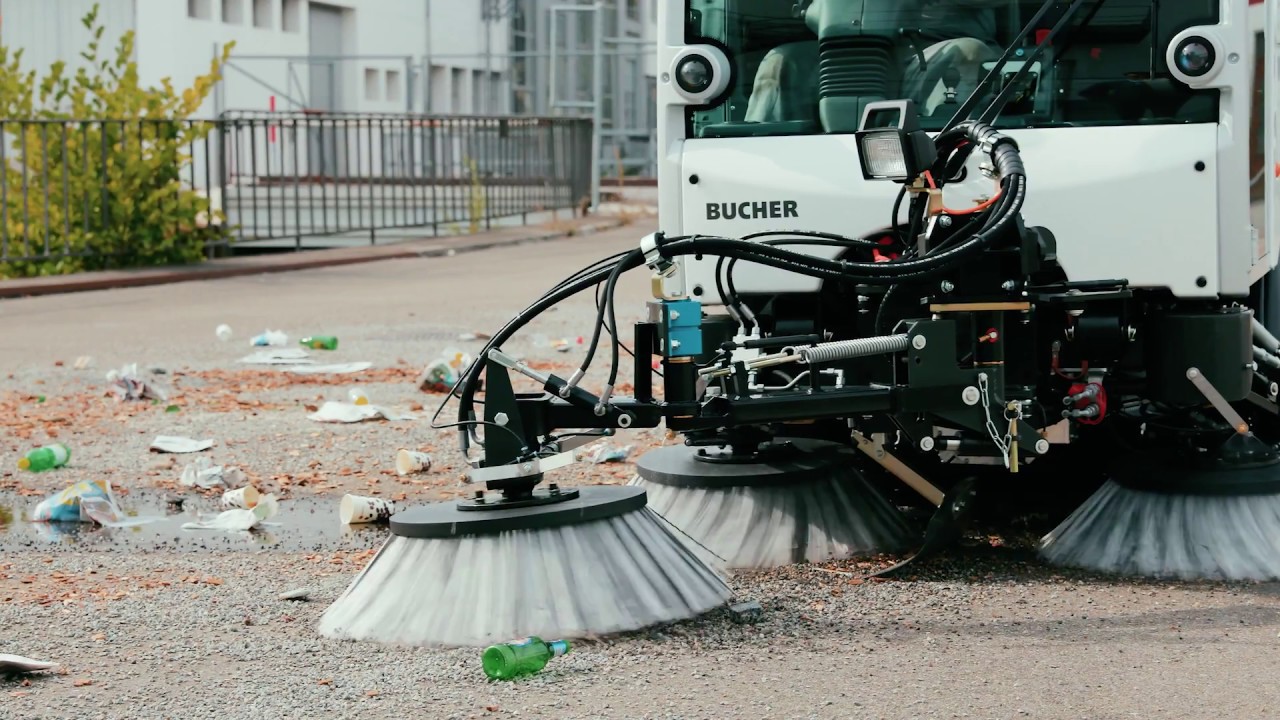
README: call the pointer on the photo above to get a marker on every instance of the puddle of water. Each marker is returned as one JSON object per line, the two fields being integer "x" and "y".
{"x": 303, "y": 524}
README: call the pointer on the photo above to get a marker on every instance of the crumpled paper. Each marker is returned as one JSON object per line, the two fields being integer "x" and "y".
{"x": 239, "y": 520}
{"x": 127, "y": 385}
{"x": 176, "y": 444}
{"x": 86, "y": 502}
{"x": 336, "y": 369}
{"x": 204, "y": 474}
{"x": 19, "y": 664}
{"x": 277, "y": 356}
{"x": 341, "y": 412}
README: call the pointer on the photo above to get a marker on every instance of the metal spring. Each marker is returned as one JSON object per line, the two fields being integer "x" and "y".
{"x": 849, "y": 349}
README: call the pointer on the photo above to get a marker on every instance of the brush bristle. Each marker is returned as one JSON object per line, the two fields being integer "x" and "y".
{"x": 767, "y": 526}
{"x": 1131, "y": 532}
{"x": 606, "y": 576}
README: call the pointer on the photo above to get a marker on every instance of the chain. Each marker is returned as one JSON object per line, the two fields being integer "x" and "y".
{"x": 1002, "y": 442}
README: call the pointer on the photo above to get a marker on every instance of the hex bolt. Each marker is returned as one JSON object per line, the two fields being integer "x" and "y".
{"x": 947, "y": 286}
{"x": 1008, "y": 285}
{"x": 971, "y": 395}
{"x": 501, "y": 419}
{"x": 944, "y": 221}
{"x": 918, "y": 342}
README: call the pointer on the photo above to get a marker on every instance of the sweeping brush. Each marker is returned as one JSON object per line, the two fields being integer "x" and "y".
{"x": 598, "y": 563}
{"x": 809, "y": 505}
{"x": 1165, "y": 515}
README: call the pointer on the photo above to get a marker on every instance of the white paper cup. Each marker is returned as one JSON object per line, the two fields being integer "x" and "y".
{"x": 245, "y": 498}
{"x": 357, "y": 396}
{"x": 412, "y": 461}
{"x": 357, "y": 509}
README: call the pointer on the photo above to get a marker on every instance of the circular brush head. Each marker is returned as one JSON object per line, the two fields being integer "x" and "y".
{"x": 1163, "y": 517}
{"x": 598, "y": 563}
{"x": 810, "y": 505}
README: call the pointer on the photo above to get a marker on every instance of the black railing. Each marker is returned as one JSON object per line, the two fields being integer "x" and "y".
{"x": 103, "y": 193}
{"x": 298, "y": 175}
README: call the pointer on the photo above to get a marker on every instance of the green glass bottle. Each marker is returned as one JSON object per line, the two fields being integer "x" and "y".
{"x": 45, "y": 458}
{"x": 320, "y": 342}
{"x": 511, "y": 660}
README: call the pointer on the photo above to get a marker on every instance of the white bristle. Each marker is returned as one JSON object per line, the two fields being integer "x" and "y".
{"x": 605, "y": 576}
{"x": 762, "y": 526}
{"x": 1132, "y": 532}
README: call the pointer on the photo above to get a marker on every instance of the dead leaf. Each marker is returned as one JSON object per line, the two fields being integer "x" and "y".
{"x": 371, "y": 693}
{"x": 19, "y": 693}
{"x": 82, "y": 682}
{"x": 212, "y": 581}
{"x": 492, "y": 708}
{"x": 99, "y": 637}
{"x": 326, "y": 681}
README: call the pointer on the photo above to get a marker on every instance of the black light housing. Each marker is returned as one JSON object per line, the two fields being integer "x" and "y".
{"x": 694, "y": 74}
{"x": 891, "y": 145}
{"x": 1195, "y": 56}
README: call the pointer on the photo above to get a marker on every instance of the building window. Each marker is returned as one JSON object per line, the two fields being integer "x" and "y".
{"x": 633, "y": 9}
{"x": 233, "y": 12}
{"x": 262, "y": 14}
{"x": 200, "y": 9}
{"x": 459, "y": 80}
{"x": 394, "y": 93}
{"x": 291, "y": 15}
{"x": 372, "y": 84}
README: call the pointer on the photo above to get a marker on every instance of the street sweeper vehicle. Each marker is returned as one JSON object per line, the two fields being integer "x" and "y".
{"x": 914, "y": 255}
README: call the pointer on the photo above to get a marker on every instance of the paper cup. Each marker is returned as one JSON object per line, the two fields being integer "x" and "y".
{"x": 357, "y": 396}
{"x": 357, "y": 509}
{"x": 245, "y": 498}
{"x": 412, "y": 461}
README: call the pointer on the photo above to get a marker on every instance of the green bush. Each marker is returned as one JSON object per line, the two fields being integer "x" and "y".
{"x": 97, "y": 172}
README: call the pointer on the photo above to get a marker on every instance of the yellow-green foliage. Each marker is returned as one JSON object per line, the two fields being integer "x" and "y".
{"x": 116, "y": 195}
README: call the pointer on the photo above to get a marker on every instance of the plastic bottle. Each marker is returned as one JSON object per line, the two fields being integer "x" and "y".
{"x": 45, "y": 458}
{"x": 510, "y": 660}
{"x": 320, "y": 342}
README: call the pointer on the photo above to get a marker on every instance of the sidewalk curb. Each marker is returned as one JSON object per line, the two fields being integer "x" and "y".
{"x": 307, "y": 260}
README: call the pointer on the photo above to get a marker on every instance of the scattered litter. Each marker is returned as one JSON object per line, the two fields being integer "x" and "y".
{"x": 412, "y": 461}
{"x": 223, "y": 332}
{"x": 320, "y": 342}
{"x": 468, "y": 337}
{"x": 606, "y": 454}
{"x": 270, "y": 338}
{"x": 106, "y": 513}
{"x": 172, "y": 409}
{"x": 83, "y": 362}
{"x": 12, "y": 664}
{"x": 86, "y": 502}
{"x": 239, "y": 519}
{"x": 64, "y": 506}
{"x": 746, "y": 612}
{"x": 244, "y": 498}
{"x": 277, "y": 356}
{"x": 441, "y": 374}
{"x": 126, "y": 385}
{"x": 45, "y": 458}
{"x": 175, "y": 501}
{"x": 174, "y": 444}
{"x": 202, "y": 473}
{"x": 333, "y": 411}
{"x": 337, "y": 369}
{"x": 357, "y": 509}
{"x": 358, "y": 396}
{"x": 299, "y": 594}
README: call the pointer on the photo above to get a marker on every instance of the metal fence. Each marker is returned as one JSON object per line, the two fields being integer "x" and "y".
{"x": 310, "y": 174}
{"x": 131, "y": 192}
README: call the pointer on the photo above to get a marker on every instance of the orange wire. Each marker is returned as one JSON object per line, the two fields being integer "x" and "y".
{"x": 928, "y": 177}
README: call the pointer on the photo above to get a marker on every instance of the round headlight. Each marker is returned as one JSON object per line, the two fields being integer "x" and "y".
{"x": 1194, "y": 56}
{"x": 694, "y": 74}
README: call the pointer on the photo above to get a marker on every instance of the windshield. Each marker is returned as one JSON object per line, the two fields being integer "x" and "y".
{"x": 810, "y": 66}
